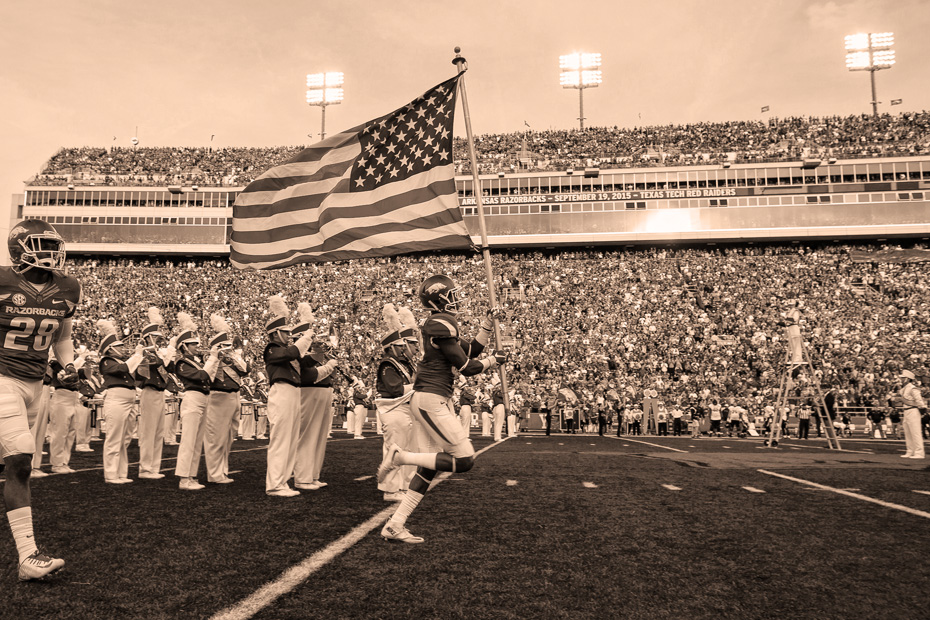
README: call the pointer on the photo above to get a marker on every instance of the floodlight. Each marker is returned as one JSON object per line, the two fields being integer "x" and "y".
{"x": 870, "y": 52}
{"x": 580, "y": 71}
{"x": 323, "y": 89}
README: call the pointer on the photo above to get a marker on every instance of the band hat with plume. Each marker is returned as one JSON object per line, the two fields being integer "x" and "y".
{"x": 222, "y": 329}
{"x": 110, "y": 338}
{"x": 277, "y": 308}
{"x": 392, "y": 326}
{"x": 188, "y": 333}
{"x": 305, "y": 317}
{"x": 156, "y": 322}
{"x": 409, "y": 331}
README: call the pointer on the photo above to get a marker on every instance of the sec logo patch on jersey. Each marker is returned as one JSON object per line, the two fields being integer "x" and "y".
{"x": 19, "y": 299}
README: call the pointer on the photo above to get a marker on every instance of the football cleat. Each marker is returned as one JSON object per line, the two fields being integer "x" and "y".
{"x": 399, "y": 533}
{"x": 39, "y": 565}
{"x": 387, "y": 463}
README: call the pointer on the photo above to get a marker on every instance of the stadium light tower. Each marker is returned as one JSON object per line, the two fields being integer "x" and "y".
{"x": 581, "y": 71}
{"x": 870, "y": 52}
{"x": 324, "y": 89}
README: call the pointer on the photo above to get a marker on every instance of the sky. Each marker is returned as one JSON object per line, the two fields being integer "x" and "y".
{"x": 173, "y": 73}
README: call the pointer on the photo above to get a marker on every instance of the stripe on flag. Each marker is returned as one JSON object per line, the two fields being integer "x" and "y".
{"x": 382, "y": 188}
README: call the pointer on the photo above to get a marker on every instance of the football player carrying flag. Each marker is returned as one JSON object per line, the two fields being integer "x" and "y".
{"x": 431, "y": 404}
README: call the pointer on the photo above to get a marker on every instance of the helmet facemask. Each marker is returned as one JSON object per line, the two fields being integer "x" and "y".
{"x": 45, "y": 250}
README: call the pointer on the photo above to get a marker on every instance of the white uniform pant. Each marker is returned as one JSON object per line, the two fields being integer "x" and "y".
{"x": 39, "y": 425}
{"x": 498, "y": 421}
{"x": 316, "y": 420}
{"x": 397, "y": 424}
{"x": 117, "y": 409}
{"x": 193, "y": 408}
{"x": 220, "y": 417}
{"x": 284, "y": 417}
{"x": 913, "y": 436}
{"x": 62, "y": 418}
{"x": 465, "y": 414}
{"x": 247, "y": 422}
{"x": 151, "y": 429}
{"x": 435, "y": 428}
{"x": 261, "y": 422}
{"x": 82, "y": 424}
{"x": 361, "y": 414}
{"x": 512, "y": 425}
{"x": 485, "y": 423}
{"x": 171, "y": 422}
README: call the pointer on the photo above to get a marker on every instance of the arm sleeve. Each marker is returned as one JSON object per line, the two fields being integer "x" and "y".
{"x": 472, "y": 348}
{"x": 322, "y": 371}
{"x": 455, "y": 355}
{"x": 282, "y": 354}
{"x": 304, "y": 343}
{"x": 133, "y": 362}
{"x": 211, "y": 366}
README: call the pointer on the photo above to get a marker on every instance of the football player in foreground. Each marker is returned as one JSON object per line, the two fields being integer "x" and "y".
{"x": 438, "y": 430}
{"x": 37, "y": 301}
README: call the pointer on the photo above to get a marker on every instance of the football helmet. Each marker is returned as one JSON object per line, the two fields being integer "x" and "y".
{"x": 440, "y": 293}
{"x": 35, "y": 243}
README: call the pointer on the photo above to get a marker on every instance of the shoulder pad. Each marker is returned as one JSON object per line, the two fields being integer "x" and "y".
{"x": 69, "y": 286}
{"x": 441, "y": 325}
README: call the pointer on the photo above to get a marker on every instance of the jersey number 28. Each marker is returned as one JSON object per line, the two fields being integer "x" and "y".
{"x": 23, "y": 328}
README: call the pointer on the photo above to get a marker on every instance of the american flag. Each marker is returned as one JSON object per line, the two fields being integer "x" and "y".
{"x": 385, "y": 187}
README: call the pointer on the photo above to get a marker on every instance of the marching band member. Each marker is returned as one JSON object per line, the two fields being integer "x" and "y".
{"x": 152, "y": 377}
{"x": 261, "y": 407}
{"x": 223, "y": 403}
{"x": 436, "y": 424}
{"x": 117, "y": 367}
{"x": 247, "y": 417}
{"x": 466, "y": 402}
{"x": 497, "y": 409}
{"x": 196, "y": 380}
{"x": 359, "y": 414}
{"x": 90, "y": 384}
{"x": 283, "y": 367}
{"x": 315, "y": 412}
{"x": 395, "y": 388}
{"x": 62, "y": 415}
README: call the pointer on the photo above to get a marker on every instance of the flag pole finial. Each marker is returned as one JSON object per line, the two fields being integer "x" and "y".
{"x": 459, "y": 59}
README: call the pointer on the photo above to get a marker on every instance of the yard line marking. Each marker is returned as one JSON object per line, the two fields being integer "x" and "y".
{"x": 865, "y": 498}
{"x": 793, "y": 448}
{"x": 656, "y": 445}
{"x": 589, "y": 485}
{"x": 754, "y": 490}
{"x": 922, "y": 492}
{"x": 299, "y": 573}
{"x": 561, "y": 444}
{"x": 360, "y": 478}
{"x": 671, "y": 487}
{"x": 726, "y": 447}
{"x": 511, "y": 483}
{"x": 235, "y": 471}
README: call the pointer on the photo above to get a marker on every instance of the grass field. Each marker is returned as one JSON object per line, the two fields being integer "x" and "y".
{"x": 569, "y": 527}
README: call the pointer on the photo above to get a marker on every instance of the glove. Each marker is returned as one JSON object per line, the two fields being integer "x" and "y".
{"x": 68, "y": 377}
{"x": 497, "y": 312}
{"x": 140, "y": 349}
{"x": 215, "y": 351}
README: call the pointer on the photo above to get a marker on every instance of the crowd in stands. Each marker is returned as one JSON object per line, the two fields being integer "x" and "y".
{"x": 693, "y": 324}
{"x": 777, "y": 139}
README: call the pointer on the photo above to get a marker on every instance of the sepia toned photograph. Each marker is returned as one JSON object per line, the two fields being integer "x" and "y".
{"x": 482, "y": 310}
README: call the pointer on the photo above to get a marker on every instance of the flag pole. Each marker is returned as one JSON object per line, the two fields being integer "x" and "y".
{"x": 461, "y": 64}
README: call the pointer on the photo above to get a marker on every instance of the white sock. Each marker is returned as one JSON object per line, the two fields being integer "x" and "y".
{"x": 406, "y": 507}
{"x": 420, "y": 459}
{"x": 21, "y": 523}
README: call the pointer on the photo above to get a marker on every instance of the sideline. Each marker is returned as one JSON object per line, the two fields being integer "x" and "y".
{"x": 656, "y": 445}
{"x": 865, "y": 498}
{"x": 797, "y": 445}
{"x": 297, "y": 574}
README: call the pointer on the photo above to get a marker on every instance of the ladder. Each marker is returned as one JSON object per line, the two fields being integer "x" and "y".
{"x": 781, "y": 402}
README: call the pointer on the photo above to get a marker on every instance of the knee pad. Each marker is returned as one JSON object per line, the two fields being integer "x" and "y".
{"x": 420, "y": 482}
{"x": 463, "y": 463}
